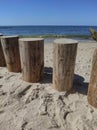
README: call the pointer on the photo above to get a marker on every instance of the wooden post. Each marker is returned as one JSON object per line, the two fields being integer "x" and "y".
{"x": 32, "y": 58}
{"x": 92, "y": 89}
{"x": 2, "y": 58}
{"x": 64, "y": 63}
{"x": 11, "y": 52}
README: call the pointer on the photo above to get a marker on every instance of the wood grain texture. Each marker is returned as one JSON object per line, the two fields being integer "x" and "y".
{"x": 11, "y": 52}
{"x": 92, "y": 89}
{"x": 2, "y": 58}
{"x": 32, "y": 59}
{"x": 63, "y": 65}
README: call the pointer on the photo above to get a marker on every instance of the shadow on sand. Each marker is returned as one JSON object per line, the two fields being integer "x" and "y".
{"x": 48, "y": 72}
{"x": 78, "y": 83}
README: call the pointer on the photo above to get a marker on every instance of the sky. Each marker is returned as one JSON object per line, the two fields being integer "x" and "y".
{"x": 48, "y": 12}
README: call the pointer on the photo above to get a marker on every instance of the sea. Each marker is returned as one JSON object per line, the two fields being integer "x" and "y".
{"x": 46, "y": 30}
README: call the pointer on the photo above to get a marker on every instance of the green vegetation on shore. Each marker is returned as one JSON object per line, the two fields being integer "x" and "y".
{"x": 58, "y": 36}
{"x": 93, "y": 34}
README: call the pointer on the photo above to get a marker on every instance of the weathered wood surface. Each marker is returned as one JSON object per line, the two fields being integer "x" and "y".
{"x": 11, "y": 52}
{"x": 64, "y": 63}
{"x": 2, "y": 58}
{"x": 32, "y": 58}
{"x": 92, "y": 89}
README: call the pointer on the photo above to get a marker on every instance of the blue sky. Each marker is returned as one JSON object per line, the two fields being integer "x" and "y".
{"x": 48, "y": 12}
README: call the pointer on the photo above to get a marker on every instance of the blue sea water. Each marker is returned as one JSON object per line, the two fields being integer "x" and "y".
{"x": 46, "y": 30}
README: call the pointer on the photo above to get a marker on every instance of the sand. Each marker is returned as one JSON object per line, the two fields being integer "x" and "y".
{"x": 37, "y": 106}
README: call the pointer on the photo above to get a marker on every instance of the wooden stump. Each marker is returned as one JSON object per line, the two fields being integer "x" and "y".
{"x": 92, "y": 90}
{"x": 32, "y": 58}
{"x": 2, "y": 58}
{"x": 64, "y": 63}
{"x": 11, "y": 52}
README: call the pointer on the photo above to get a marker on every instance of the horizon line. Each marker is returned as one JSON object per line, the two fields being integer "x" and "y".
{"x": 46, "y": 25}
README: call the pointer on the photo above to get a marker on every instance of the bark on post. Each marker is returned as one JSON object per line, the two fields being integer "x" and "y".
{"x": 11, "y": 52}
{"x": 2, "y": 58}
{"x": 32, "y": 58}
{"x": 92, "y": 90}
{"x": 64, "y": 63}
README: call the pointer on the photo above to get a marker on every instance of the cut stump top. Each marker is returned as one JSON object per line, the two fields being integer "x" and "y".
{"x": 65, "y": 41}
{"x": 31, "y": 39}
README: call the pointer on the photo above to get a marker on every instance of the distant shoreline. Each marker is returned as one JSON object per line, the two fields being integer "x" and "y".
{"x": 50, "y": 38}
{"x": 58, "y": 36}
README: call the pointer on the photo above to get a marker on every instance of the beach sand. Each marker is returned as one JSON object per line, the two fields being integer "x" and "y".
{"x": 37, "y": 106}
